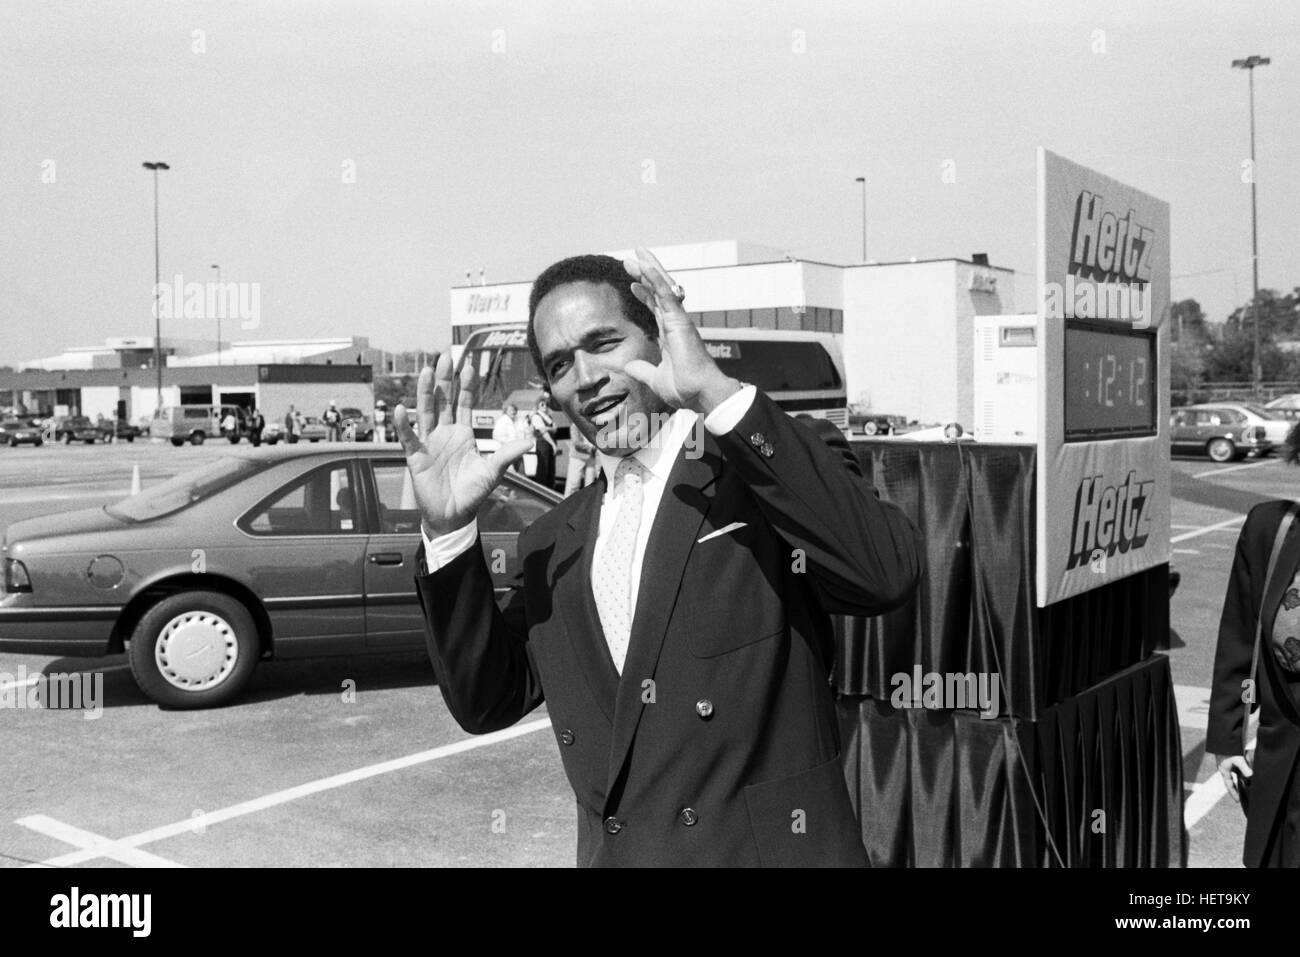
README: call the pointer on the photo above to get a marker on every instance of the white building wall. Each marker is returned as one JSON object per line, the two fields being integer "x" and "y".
{"x": 900, "y": 355}
{"x": 99, "y": 400}
{"x": 144, "y": 398}
{"x": 823, "y": 285}
{"x": 908, "y": 331}
{"x": 980, "y": 292}
{"x": 743, "y": 287}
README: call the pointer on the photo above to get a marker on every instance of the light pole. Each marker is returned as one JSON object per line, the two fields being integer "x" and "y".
{"x": 157, "y": 281}
{"x": 1257, "y": 371}
{"x": 863, "y": 181}
{"x": 219, "y": 311}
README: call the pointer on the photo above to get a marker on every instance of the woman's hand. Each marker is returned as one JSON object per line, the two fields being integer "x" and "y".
{"x": 1226, "y": 764}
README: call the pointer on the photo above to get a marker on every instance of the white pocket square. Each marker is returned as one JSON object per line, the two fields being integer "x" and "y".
{"x": 722, "y": 531}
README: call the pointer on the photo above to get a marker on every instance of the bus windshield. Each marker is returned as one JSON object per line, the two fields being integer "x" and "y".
{"x": 502, "y": 372}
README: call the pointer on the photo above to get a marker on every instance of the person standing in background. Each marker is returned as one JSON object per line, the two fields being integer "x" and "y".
{"x": 333, "y": 420}
{"x": 256, "y": 423}
{"x": 506, "y": 429}
{"x": 381, "y": 421}
{"x": 291, "y": 429}
{"x": 542, "y": 427}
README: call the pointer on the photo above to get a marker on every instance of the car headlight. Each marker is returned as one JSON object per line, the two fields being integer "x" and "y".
{"x": 16, "y": 578}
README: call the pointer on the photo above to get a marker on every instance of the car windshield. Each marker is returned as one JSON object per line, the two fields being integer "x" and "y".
{"x": 185, "y": 489}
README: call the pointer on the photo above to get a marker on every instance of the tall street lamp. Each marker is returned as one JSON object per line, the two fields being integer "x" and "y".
{"x": 1257, "y": 372}
{"x": 157, "y": 282}
{"x": 219, "y": 311}
{"x": 863, "y": 181}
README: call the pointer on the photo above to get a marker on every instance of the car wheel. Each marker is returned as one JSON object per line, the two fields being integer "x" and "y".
{"x": 90, "y": 441}
{"x": 234, "y": 439}
{"x": 178, "y": 442}
{"x": 67, "y": 438}
{"x": 39, "y": 443}
{"x": 130, "y": 438}
{"x": 197, "y": 649}
{"x": 1221, "y": 450}
{"x": 315, "y": 440}
{"x": 197, "y": 438}
{"x": 870, "y": 428}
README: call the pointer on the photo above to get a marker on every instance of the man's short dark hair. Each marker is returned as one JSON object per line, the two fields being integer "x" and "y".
{"x": 594, "y": 269}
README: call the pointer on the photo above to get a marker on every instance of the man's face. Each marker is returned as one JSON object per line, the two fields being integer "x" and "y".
{"x": 585, "y": 342}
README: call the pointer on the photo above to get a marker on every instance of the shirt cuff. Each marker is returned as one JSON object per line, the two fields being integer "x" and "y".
{"x": 730, "y": 411}
{"x": 444, "y": 549}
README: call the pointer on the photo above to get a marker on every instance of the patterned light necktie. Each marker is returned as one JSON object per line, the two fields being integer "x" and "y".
{"x": 612, "y": 581}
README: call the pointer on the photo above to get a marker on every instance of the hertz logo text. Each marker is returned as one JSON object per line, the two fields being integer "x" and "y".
{"x": 1110, "y": 518}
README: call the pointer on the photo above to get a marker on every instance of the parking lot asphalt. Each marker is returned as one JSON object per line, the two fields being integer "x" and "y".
{"x": 299, "y": 772}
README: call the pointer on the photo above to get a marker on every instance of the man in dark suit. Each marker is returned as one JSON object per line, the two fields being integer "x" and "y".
{"x": 675, "y": 615}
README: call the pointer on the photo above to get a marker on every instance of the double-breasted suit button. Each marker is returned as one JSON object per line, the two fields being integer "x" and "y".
{"x": 767, "y": 451}
{"x": 704, "y": 708}
{"x": 613, "y": 825}
{"x": 757, "y": 440}
{"x": 688, "y": 817}
{"x": 566, "y": 737}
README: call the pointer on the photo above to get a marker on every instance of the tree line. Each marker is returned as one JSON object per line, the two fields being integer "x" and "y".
{"x": 1202, "y": 352}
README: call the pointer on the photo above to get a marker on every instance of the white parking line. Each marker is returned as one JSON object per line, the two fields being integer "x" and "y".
{"x": 1203, "y": 798}
{"x": 199, "y": 821}
{"x": 1186, "y": 551}
{"x": 1235, "y": 468}
{"x": 94, "y": 844}
{"x": 1205, "y": 529}
{"x": 1193, "y": 712}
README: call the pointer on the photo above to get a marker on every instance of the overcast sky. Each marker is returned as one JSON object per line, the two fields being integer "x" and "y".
{"x": 508, "y": 135}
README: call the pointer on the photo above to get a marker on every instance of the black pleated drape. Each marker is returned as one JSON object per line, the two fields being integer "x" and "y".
{"x": 1086, "y": 747}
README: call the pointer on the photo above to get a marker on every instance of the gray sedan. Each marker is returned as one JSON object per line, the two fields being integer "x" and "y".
{"x": 288, "y": 552}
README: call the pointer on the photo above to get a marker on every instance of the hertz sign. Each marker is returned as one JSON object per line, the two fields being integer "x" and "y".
{"x": 1103, "y": 482}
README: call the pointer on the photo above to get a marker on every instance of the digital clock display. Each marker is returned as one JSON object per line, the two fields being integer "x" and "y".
{"x": 1109, "y": 382}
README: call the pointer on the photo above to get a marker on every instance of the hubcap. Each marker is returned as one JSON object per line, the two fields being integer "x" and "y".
{"x": 196, "y": 650}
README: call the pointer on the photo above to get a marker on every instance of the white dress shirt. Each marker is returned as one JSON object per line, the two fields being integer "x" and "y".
{"x": 658, "y": 458}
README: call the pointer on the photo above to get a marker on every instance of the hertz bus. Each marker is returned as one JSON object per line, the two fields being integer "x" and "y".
{"x": 803, "y": 372}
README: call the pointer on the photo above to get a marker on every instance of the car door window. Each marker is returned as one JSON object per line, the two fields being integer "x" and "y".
{"x": 1208, "y": 417}
{"x": 507, "y": 509}
{"x": 323, "y": 502}
{"x": 398, "y": 513}
{"x": 510, "y": 509}
{"x": 1233, "y": 417}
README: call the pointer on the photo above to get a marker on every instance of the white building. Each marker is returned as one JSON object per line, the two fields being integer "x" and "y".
{"x": 905, "y": 328}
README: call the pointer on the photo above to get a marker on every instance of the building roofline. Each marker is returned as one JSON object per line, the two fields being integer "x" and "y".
{"x": 778, "y": 262}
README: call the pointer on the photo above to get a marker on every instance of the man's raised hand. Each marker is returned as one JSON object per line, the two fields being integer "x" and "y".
{"x": 686, "y": 376}
{"x": 450, "y": 478}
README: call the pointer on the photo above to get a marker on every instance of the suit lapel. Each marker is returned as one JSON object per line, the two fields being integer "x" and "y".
{"x": 686, "y": 500}
{"x": 577, "y": 541}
